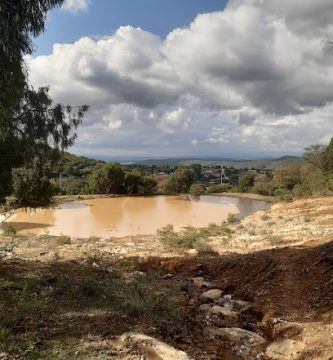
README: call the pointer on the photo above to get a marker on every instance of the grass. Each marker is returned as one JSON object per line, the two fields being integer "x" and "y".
{"x": 43, "y": 305}
{"x": 64, "y": 240}
{"x": 231, "y": 218}
{"x": 190, "y": 237}
{"x": 8, "y": 230}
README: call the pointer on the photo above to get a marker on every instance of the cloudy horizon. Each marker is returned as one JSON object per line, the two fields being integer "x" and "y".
{"x": 254, "y": 79}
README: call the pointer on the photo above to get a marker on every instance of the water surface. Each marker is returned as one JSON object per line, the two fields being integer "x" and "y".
{"x": 123, "y": 216}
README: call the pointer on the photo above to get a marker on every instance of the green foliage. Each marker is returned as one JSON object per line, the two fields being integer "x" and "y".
{"x": 246, "y": 182}
{"x": 148, "y": 185}
{"x": 32, "y": 127}
{"x": 133, "y": 180}
{"x": 108, "y": 179}
{"x": 19, "y": 20}
{"x": 330, "y": 184}
{"x": 287, "y": 177}
{"x": 263, "y": 188}
{"x": 31, "y": 187}
{"x": 231, "y": 218}
{"x": 197, "y": 189}
{"x": 219, "y": 188}
{"x": 64, "y": 240}
{"x": 72, "y": 186}
{"x": 4, "y": 335}
{"x": 179, "y": 182}
{"x": 8, "y": 230}
{"x": 190, "y": 237}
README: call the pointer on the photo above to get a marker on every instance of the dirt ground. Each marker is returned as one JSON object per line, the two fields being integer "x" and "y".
{"x": 269, "y": 284}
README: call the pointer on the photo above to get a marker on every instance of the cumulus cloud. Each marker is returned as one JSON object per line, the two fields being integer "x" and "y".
{"x": 76, "y": 6}
{"x": 256, "y": 74}
{"x": 174, "y": 121}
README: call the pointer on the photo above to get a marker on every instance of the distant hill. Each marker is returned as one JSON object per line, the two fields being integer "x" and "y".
{"x": 77, "y": 165}
{"x": 238, "y": 164}
{"x": 82, "y": 166}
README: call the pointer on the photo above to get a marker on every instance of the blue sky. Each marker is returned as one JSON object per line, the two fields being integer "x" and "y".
{"x": 104, "y": 17}
{"x": 203, "y": 78}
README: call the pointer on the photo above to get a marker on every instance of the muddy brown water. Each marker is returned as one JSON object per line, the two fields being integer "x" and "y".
{"x": 124, "y": 216}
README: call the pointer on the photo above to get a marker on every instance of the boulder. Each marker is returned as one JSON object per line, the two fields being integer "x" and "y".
{"x": 211, "y": 295}
{"x": 224, "y": 311}
{"x": 286, "y": 329}
{"x": 153, "y": 349}
{"x": 237, "y": 336}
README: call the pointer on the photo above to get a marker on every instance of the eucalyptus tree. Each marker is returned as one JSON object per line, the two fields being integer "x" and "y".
{"x": 33, "y": 129}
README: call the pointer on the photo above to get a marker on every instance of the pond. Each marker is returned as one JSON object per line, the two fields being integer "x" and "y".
{"x": 124, "y": 216}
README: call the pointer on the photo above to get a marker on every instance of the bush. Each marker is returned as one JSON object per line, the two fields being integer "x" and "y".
{"x": 31, "y": 187}
{"x": 108, "y": 179}
{"x": 263, "y": 188}
{"x": 197, "y": 190}
{"x": 231, "y": 218}
{"x": 220, "y": 188}
{"x": 330, "y": 184}
{"x": 179, "y": 182}
{"x": 8, "y": 230}
{"x": 148, "y": 185}
{"x": 246, "y": 182}
{"x": 64, "y": 240}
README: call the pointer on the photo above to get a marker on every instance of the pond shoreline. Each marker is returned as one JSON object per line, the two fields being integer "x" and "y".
{"x": 118, "y": 216}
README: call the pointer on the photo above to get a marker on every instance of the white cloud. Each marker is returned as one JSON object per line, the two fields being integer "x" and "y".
{"x": 76, "y": 6}
{"x": 257, "y": 75}
{"x": 174, "y": 121}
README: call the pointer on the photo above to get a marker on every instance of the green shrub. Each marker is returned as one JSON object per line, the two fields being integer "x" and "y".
{"x": 31, "y": 187}
{"x": 63, "y": 240}
{"x": 330, "y": 184}
{"x": 197, "y": 190}
{"x": 219, "y": 188}
{"x": 246, "y": 182}
{"x": 231, "y": 218}
{"x": 4, "y": 335}
{"x": 8, "y": 230}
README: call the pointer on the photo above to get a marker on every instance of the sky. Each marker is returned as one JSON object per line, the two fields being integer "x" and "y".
{"x": 191, "y": 78}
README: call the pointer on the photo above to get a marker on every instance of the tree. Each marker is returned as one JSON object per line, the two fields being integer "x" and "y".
{"x": 197, "y": 190}
{"x": 246, "y": 182}
{"x": 108, "y": 179}
{"x": 133, "y": 180}
{"x": 315, "y": 155}
{"x": 148, "y": 185}
{"x": 287, "y": 177}
{"x": 40, "y": 131}
{"x": 19, "y": 21}
{"x": 30, "y": 187}
{"x": 32, "y": 128}
{"x": 180, "y": 181}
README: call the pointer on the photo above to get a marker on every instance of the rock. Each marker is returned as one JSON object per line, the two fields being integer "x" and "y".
{"x": 224, "y": 311}
{"x": 192, "y": 252}
{"x": 286, "y": 329}
{"x": 200, "y": 282}
{"x": 241, "y": 304}
{"x": 211, "y": 295}
{"x": 204, "y": 307}
{"x": 237, "y": 336}
{"x": 285, "y": 350}
{"x": 153, "y": 349}
{"x": 167, "y": 276}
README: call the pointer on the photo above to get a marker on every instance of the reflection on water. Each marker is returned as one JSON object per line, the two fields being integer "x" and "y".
{"x": 122, "y": 216}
